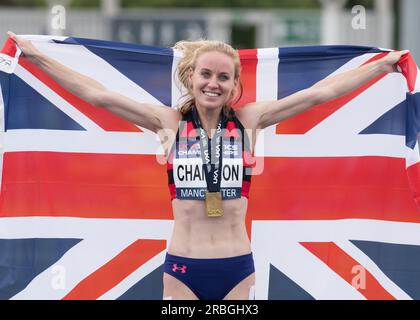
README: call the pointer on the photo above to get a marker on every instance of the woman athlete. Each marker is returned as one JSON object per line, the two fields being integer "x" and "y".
{"x": 209, "y": 256}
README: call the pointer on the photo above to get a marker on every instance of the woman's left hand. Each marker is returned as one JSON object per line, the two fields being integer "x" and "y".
{"x": 389, "y": 62}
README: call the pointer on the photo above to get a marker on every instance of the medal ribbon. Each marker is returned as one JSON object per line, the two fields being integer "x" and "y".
{"x": 211, "y": 153}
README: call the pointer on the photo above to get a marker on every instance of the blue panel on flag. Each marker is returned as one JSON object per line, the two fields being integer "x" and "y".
{"x": 5, "y": 89}
{"x": 148, "y": 288}
{"x": 282, "y": 287}
{"x": 403, "y": 119}
{"x": 149, "y": 67}
{"x": 391, "y": 122}
{"x": 27, "y": 109}
{"x": 399, "y": 262}
{"x": 413, "y": 119}
{"x": 313, "y": 63}
{"x": 21, "y": 260}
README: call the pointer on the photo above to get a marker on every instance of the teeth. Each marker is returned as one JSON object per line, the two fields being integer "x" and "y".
{"x": 211, "y": 94}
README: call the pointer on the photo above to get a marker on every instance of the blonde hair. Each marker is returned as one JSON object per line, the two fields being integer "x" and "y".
{"x": 192, "y": 50}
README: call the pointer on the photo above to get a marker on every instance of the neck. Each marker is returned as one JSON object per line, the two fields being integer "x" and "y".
{"x": 209, "y": 119}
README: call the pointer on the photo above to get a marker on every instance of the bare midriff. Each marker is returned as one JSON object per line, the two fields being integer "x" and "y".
{"x": 195, "y": 235}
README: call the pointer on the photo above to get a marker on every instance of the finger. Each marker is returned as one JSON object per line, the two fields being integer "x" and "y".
{"x": 12, "y": 36}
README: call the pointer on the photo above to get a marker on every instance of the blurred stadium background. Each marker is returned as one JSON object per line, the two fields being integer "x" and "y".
{"x": 244, "y": 23}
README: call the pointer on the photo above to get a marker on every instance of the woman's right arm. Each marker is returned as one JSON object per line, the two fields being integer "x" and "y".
{"x": 149, "y": 116}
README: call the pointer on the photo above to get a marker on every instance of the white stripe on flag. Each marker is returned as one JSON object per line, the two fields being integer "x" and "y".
{"x": 417, "y": 84}
{"x": 267, "y": 74}
{"x": 413, "y": 156}
{"x": 267, "y": 78}
{"x": 177, "y": 89}
{"x": 82, "y": 141}
{"x": 147, "y": 143}
{"x": 332, "y": 145}
{"x": 83, "y": 228}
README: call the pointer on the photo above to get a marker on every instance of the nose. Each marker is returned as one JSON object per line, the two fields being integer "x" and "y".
{"x": 213, "y": 83}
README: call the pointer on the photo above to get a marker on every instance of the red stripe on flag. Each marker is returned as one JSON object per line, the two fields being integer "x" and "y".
{"x": 349, "y": 269}
{"x": 308, "y": 119}
{"x": 116, "y": 270}
{"x": 102, "y": 117}
{"x": 409, "y": 70}
{"x": 9, "y": 48}
{"x": 413, "y": 173}
{"x": 84, "y": 185}
{"x": 332, "y": 188}
{"x": 249, "y": 62}
{"x": 134, "y": 186}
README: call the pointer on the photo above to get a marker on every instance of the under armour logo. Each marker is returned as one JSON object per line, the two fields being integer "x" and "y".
{"x": 183, "y": 268}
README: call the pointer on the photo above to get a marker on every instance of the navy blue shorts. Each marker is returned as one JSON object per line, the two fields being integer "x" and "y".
{"x": 210, "y": 279}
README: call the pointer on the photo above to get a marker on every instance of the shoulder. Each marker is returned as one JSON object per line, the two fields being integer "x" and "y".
{"x": 170, "y": 126}
{"x": 247, "y": 116}
{"x": 170, "y": 116}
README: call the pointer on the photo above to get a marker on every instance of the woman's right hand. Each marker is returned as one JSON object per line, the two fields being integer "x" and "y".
{"x": 28, "y": 49}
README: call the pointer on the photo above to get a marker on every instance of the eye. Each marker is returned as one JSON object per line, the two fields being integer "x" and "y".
{"x": 205, "y": 74}
{"x": 223, "y": 77}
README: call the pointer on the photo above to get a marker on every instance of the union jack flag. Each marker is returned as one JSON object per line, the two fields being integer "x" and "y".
{"x": 84, "y": 208}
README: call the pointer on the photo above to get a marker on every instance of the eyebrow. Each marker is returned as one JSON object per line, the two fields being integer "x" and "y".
{"x": 223, "y": 72}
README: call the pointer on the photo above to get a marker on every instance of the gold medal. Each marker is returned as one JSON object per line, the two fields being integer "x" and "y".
{"x": 214, "y": 204}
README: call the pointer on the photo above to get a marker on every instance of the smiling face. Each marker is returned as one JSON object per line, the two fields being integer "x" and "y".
{"x": 213, "y": 80}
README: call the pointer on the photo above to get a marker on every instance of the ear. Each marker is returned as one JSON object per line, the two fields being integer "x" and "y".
{"x": 235, "y": 88}
{"x": 190, "y": 74}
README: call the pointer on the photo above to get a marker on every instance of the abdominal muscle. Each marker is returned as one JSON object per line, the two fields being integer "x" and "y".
{"x": 197, "y": 236}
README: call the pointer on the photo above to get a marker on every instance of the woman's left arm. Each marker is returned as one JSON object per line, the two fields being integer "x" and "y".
{"x": 263, "y": 114}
